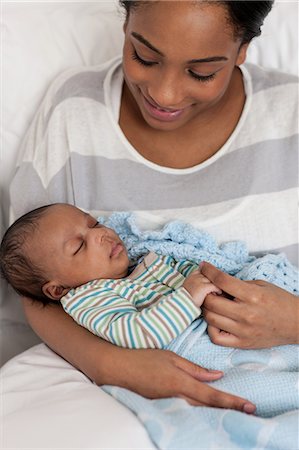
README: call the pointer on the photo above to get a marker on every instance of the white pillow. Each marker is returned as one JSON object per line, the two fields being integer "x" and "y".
{"x": 40, "y": 40}
{"x": 277, "y": 47}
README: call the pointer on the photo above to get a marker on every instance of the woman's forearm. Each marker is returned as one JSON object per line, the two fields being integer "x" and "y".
{"x": 92, "y": 355}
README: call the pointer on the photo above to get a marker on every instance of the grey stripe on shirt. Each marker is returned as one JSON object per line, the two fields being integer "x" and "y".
{"x": 233, "y": 176}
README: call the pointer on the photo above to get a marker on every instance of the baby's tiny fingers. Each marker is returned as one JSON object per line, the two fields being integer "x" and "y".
{"x": 217, "y": 290}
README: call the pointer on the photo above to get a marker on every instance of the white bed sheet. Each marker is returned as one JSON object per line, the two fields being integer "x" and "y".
{"x": 46, "y": 403}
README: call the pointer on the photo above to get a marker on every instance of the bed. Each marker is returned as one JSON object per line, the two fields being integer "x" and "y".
{"x": 46, "y": 403}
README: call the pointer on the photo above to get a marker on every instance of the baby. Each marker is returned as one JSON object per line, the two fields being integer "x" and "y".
{"x": 60, "y": 253}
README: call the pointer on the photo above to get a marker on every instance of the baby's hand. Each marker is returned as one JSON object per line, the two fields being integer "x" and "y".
{"x": 199, "y": 287}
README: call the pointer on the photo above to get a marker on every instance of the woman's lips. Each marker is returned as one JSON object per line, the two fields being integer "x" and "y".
{"x": 166, "y": 115}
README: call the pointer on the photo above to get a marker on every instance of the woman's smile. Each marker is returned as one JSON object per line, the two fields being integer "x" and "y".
{"x": 160, "y": 113}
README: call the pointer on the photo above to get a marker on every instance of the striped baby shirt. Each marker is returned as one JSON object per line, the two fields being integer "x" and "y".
{"x": 147, "y": 309}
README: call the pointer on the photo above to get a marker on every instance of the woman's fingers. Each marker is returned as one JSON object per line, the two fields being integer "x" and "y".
{"x": 223, "y": 330}
{"x": 209, "y": 396}
{"x": 198, "y": 372}
{"x": 222, "y": 319}
{"x": 232, "y": 286}
{"x": 208, "y": 375}
{"x": 197, "y": 393}
{"x": 223, "y": 306}
{"x": 221, "y": 337}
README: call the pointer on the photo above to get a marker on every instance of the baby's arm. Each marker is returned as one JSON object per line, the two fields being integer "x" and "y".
{"x": 115, "y": 319}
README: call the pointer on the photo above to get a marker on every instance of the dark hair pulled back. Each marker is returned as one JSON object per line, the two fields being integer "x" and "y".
{"x": 247, "y": 17}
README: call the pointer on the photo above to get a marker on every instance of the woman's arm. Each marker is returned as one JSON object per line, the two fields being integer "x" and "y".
{"x": 151, "y": 373}
{"x": 262, "y": 315}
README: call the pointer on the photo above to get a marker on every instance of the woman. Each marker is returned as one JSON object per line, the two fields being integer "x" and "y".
{"x": 174, "y": 132}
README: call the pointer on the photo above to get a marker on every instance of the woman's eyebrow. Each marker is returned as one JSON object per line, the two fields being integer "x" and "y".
{"x": 192, "y": 61}
{"x": 145, "y": 42}
{"x": 209, "y": 59}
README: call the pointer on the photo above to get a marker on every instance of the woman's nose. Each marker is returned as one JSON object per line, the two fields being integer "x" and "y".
{"x": 166, "y": 92}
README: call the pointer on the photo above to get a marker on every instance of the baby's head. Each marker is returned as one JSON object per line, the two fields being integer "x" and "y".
{"x": 57, "y": 247}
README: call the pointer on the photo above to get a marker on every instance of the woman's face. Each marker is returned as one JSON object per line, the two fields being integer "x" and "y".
{"x": 178, "y": 60}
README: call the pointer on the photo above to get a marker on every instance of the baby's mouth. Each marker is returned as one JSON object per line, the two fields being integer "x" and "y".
{"x": 116, "y": 249}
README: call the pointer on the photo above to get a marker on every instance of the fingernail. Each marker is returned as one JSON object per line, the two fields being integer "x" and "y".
{"x": 249, "y": 408}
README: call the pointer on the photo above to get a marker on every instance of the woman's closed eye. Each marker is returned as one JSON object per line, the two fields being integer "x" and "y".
{"x": 202, "y": 78}
{"x": 142, "y": 61}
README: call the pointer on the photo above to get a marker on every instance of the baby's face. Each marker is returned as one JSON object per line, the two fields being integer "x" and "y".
{"x": 73, "y": 248}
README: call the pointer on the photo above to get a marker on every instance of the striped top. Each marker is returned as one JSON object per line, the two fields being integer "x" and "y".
{"x": 148, "y": 309}
{"x": 76, "y": 152}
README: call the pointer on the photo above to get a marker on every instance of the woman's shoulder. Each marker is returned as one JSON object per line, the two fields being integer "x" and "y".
{"x": 272, "y": 103}
{"x": 83, "y": 80}
{"x": 264, "y": 79}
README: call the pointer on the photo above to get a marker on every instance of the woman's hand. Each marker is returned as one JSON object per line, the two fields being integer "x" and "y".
{"x": 261, "y": 315}
{"x": 161, "y": 374}
{"x": 151, "y": 373}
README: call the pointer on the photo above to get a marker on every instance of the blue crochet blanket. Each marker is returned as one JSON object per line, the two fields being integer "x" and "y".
{"x": 267, "y": 377}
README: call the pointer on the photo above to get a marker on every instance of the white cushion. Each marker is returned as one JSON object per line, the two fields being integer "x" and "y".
{"x": 47, "y": 404}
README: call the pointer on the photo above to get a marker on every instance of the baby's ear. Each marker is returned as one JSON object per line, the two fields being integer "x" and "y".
{"x": 54, "y": 291}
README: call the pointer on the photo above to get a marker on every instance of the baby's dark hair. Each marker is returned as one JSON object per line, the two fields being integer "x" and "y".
{"x": 247, "y": 17}
{"x": 16, "y": 265}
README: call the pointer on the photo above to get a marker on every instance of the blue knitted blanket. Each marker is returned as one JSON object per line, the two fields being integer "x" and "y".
{"x": 267, "y": 377}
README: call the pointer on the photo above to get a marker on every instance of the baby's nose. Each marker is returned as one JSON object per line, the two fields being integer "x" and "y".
{"x": 101, "y": 235}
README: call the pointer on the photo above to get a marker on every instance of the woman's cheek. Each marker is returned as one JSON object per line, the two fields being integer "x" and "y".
{"x": 209, "y": 92}
{"x": 215, "y": 89}
{"x": 133, "y": 73}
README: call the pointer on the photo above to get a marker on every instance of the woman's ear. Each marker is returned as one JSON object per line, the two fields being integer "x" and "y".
{"x": 242, "y": 54}
{"x": 54, "y": 291}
